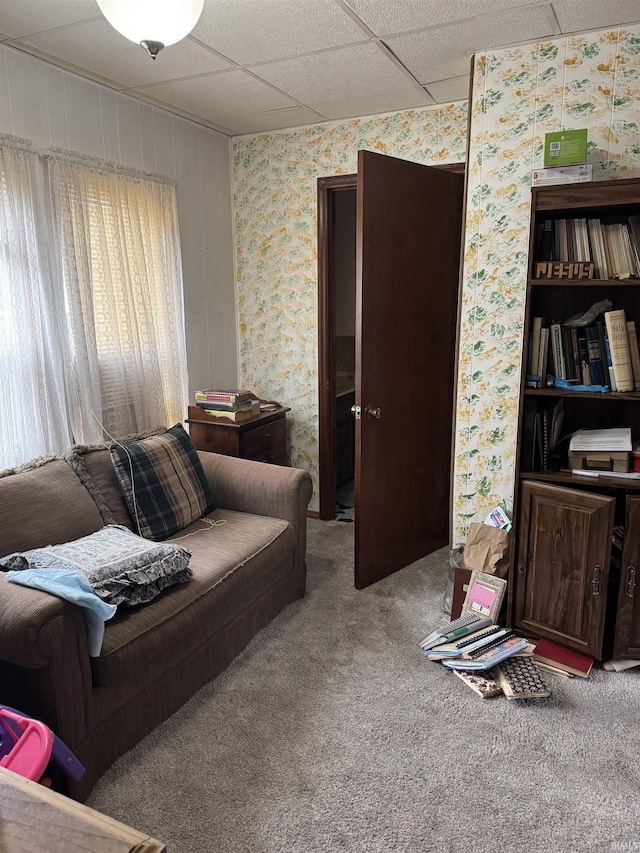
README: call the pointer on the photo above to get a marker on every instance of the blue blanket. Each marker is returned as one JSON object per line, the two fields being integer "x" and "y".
{"x": 74, "y": 587}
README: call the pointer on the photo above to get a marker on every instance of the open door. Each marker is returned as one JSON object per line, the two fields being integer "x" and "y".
{"x": 409, "y": 229}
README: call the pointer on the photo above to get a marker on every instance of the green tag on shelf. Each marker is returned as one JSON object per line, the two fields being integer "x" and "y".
{"x": 565, "y": 147}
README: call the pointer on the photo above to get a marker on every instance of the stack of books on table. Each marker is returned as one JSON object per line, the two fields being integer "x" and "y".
{"x": 234, "y": 404}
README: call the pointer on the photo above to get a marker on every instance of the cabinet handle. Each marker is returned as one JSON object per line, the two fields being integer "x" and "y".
{"x": 631, "y": 581}
{"x": 267, "y": 435}
{"x": 596, "y": 583}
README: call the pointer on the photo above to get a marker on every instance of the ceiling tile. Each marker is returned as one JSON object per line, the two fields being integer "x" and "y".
{"x": 335, "y": 75}
{"x": 23, "y": 17}
{"x": 384, "y": 17}
{"x": 248, "y": 31}
{"x": 97, "y": 47}
{"x": 453, "y": 89}
{"x": 216, "y": 96}
{"x": 574, "y": 15}
{"x": 386, "y": 103}
{"x": 273, "y": 120}
{"x": 446, "y": 51}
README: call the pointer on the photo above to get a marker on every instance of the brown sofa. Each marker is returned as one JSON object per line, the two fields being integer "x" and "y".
{"x": 155, "y": 656}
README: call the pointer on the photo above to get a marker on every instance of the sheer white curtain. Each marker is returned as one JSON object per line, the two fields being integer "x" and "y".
{"x": 119, "y": 243}
{"x": 33, "y": 416}
{"x": 91, "y": 302}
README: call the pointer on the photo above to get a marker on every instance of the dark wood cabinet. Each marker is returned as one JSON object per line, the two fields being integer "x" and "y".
{"x": 262, "y": 438}
{"x": 562, "y": 568}
{"x": 568, "y": 581}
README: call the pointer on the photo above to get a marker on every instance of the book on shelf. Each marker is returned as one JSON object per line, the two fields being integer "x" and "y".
{"x": 596, "y": 363}
{"x": 613, "y": 247}
{"x": 583, "y": 357}
{"x": 635, "y": 352}
{"x": 543, "y": 356}
{"x": 485, "y": 685}
{"x": 605, "y": 349}
{"x": 571, "y": 360}
{"x": 556, "y": 655}
{"x": 618, "y": 336}
{"x": 521, "y": 678}
{"x": 634, "y": 233}
{"x": 534, "y": 358}
{"x": 596, "y": 238}
{"x": 555, "y": 334}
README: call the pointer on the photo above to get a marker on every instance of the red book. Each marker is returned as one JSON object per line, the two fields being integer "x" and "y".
{"x": 551, "y": 653}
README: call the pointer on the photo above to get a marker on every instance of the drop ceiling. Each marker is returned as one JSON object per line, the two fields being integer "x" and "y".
{"x": 257, "y": 65}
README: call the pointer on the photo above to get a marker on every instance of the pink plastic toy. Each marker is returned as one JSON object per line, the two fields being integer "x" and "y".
{"x": 30, "y": 743}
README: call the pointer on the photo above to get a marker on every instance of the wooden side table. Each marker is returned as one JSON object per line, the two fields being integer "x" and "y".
{"x": 262, "y": 438}
{"x": 34, "y": 819}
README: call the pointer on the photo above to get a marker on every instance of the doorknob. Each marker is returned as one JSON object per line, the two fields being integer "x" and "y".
{"x": 372, "y": 412}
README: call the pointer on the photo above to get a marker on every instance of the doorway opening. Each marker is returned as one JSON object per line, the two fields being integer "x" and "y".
{"x": 336, "y": 344}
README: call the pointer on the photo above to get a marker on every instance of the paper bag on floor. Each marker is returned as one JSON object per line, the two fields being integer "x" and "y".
{"x": 487, "y": 550}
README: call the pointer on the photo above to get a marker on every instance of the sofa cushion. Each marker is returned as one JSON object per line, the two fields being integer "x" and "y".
{"x": 121, "y": 567}
{"x": 234, "y": 564}
{"x": 44, "y": 503}
{"x": 163, "y": 483}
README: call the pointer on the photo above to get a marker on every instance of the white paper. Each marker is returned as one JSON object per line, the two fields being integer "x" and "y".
{"x": 601, "y": 439}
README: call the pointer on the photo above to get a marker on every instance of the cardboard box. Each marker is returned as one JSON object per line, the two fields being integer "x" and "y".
{"x": 562, "y": 175}
{"x": 565, "y": 147}
{"x": 603, "y": 460}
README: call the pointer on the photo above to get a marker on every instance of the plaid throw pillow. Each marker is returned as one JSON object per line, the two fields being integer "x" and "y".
{"x": 163, "y": 483}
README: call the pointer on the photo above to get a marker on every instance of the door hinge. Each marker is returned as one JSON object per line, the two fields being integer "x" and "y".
{"x": 356, "y": 411}
{"x": 631, "y": 581}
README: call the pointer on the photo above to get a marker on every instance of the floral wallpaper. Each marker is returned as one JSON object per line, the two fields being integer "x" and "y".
{"x": 519, "y": 94}
{"x": 275, "y": 198}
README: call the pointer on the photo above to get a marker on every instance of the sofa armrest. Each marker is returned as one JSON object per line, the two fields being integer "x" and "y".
{"x": 46, "y": 635}
{"x": 262, "y": 489}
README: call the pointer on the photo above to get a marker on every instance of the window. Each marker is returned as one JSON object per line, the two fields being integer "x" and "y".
{"x": 111, "y": 302}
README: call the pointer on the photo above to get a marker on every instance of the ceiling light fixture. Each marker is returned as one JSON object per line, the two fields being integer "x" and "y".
{"x": 154, "y": 24}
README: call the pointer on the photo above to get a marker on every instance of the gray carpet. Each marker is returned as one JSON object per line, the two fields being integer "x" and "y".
{"x": 331, "y": 732}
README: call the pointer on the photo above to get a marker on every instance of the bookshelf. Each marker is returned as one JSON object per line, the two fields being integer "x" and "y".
{"x": 568, "y": 581}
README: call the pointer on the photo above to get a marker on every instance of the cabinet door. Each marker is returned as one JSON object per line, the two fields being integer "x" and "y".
{"x": 562, "y": 571}
{"x": 627, "y": 637}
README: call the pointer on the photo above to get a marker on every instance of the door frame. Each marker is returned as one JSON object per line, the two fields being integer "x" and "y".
{"x": 326, "y": 361}
{"x": 326, "y": 328}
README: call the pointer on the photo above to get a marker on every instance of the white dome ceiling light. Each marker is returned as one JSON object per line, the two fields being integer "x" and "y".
{"x": 154, "y": 24}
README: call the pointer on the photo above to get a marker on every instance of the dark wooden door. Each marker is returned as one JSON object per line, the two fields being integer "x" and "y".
{"x": 409, "y": 225}
{"x": 562, "y": 570}
{"x": 627, "y": 634}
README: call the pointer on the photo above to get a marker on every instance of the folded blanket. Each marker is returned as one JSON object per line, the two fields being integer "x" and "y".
{"x": 75, "y": 587}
